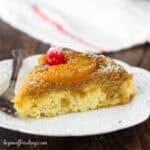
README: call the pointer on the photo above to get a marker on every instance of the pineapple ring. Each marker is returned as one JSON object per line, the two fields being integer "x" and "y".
{"x": 76, "y": 67}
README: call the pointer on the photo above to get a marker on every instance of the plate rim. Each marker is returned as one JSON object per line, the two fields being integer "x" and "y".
{"x": 27, "y": 131}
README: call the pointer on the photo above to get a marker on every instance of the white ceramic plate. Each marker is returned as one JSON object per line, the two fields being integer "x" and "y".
{"x": 83, "y": 123}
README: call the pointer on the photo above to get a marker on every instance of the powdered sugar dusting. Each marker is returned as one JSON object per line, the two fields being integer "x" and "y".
{"x": 111, "y": 67}
{"x": 106, "y": 64}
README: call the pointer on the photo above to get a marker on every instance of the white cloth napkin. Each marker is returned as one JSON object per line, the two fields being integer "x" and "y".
{"x": 86, "y": 25}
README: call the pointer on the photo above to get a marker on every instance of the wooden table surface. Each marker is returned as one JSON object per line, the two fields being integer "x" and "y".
{"x": 134, "y": 138}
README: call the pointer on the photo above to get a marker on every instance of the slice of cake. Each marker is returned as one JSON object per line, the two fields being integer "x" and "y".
{"x": 68, "y": 81}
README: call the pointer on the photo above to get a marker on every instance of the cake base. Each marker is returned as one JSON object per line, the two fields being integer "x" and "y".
{"x": 56, "y": 102}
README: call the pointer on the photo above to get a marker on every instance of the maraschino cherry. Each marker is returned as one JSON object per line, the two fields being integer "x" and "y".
{"x": 55, "y": 56}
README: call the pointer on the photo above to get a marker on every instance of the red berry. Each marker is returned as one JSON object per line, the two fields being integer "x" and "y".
{"x": 55, "y": 57}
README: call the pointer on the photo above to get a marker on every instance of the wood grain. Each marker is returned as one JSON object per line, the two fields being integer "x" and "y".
{"x": 135, "y": 138}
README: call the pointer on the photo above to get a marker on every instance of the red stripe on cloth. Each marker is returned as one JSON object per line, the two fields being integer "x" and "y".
{"x": 61, "y": 29}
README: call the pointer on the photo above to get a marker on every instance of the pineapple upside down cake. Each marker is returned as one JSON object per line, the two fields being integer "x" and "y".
{"x": 65, "y": 81}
